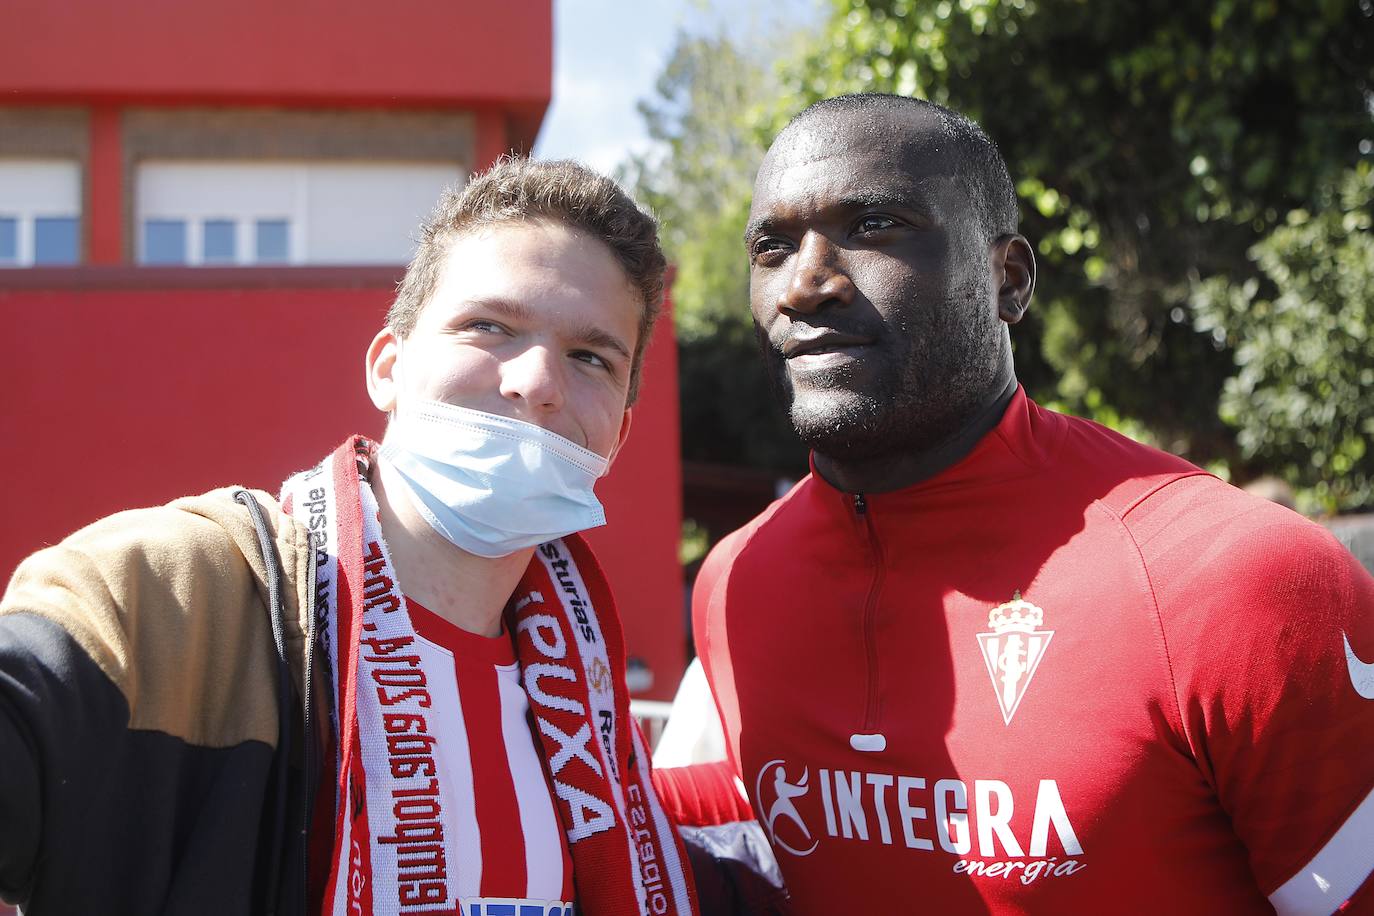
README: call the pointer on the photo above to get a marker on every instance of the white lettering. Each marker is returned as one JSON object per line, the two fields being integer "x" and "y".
{"x": 985, "y": 808}
{"x": 995, "y": 821}
{"x": 825, "y": 800}
{"x": 537, "y": 693}
{"x": 539, "y": 624}
{"x": 849, "y": 799}
{"x": 879, "y": 782}
{"x": 579, "y": 804}
{"x": 951, "y": 816}
{"x": 1049, "y": 809}
{"x": 1032, "y": 871}
{"x": 910, "y": 813}
{"x": 569, "y": 746}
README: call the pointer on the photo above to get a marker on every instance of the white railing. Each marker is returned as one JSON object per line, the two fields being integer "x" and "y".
{"x": 653, "y": 717}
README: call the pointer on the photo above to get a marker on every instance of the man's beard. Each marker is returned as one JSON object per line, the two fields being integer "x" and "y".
{"x": 913, "y": 395}
{"x": 837, "y": 420}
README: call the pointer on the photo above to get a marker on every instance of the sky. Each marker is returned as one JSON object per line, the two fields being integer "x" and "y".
{"x": 608, "y": 54}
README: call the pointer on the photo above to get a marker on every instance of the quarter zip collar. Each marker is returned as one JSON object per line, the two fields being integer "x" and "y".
{"x": 904, "y": 465}
{"x": 1025, "y": 438}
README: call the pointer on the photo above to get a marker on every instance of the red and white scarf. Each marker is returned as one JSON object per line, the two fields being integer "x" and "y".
{"x": 395, "y": 849}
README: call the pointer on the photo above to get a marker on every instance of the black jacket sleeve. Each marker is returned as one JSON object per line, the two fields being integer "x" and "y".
{"x": 57, "y": 711}
{"x": 19, "y": 764}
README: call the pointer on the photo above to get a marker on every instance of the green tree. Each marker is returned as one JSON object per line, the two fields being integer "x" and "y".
{"x": 712, "y": 105}
{"x": 1304, "y": 343}
{"x": 1155, "y": 144}
{"x": 1178, "y": 165}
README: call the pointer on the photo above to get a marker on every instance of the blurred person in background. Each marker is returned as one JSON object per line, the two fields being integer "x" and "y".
{"x": 1273, "y": 489}
{"x": 1355, "y": 532}
{"x": 399, "y": 686}
{"x": 988, "y": 657}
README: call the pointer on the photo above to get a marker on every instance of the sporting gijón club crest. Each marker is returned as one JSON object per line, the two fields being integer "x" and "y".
{"x": 1013, "y": 650}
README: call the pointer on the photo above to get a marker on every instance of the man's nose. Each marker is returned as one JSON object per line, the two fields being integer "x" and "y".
{"x": 818, "y": 279}
{"x": 534, "y": 377}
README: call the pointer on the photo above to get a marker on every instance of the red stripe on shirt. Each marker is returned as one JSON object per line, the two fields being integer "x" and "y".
{"x": 498, "y": 812}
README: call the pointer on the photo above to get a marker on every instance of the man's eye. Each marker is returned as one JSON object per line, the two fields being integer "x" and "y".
{"x": 874, "y": 223}
{"x": 591, "y": 359}
{"x": 766, "y": 245}
{"x": 484, "y": 326}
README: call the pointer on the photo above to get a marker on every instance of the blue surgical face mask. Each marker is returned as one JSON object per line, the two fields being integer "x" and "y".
{"x": 490, "y": 484}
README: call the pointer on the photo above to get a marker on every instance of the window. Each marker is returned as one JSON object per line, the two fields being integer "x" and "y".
{"x": 55, "y": 240}
{"x": 215, "y": 241}
{"x": 272, "y": 244}
{"x": 9, "y": 240}
{"x": 290, "y": 212}
{"x": 368, "y": 213}
{"x": 220, "y": 242}
{"x": 164, "y": 241}
{"x": 40, "y": 212}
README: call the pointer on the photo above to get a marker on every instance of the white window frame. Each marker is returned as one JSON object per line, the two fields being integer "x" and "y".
{"x": 245, "y": 239}
{"x": 184, "y": 190}
{"x": 27, "y": 215}
{"x": 195, "y": 215}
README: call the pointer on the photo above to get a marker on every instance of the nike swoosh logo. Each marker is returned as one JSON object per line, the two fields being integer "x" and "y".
{"x": 1361, "y": 673}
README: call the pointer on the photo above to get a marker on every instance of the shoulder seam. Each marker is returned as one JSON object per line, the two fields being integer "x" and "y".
{"x": 1119, "y": 518}
{"x": 1151, "y": 491}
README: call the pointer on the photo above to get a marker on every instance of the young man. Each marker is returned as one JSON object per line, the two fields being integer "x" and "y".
{"x": 987, "y": 657}
{"x": 414, "y": 638}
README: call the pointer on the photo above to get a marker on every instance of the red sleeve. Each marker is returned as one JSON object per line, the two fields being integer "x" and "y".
{"x": 733, "y": 866}
{"x": 701, "y": 795}
{"x": 1269, "y": 627}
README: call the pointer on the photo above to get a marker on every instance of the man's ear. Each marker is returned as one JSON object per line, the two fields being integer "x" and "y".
{"x": 1013, "y": 268}
{"x": 382, "y": 380}
{"x": 621, "y": 436}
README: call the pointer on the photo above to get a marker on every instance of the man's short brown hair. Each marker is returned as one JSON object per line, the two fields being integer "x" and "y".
{"x": 562, "y": 191}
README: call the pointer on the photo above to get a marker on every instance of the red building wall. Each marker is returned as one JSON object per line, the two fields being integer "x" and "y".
{"x": 162, "y": 382}
{"x": 452, "y": 53}
{"x": 130, "y": 386}
{"x": 493, "y": 61}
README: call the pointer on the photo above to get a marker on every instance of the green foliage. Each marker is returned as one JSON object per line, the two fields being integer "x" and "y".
{"x": 700, "y": 180}
{"x": 1304, "y": 347}
{"x": 1176, "y": 163}
{"x": 694, "y": 542}
{"x": 710, "y": 116}
{"x": 1154, "y": 143}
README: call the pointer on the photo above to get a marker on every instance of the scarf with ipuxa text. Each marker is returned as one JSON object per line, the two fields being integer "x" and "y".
{"x": 395, "y": 843}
